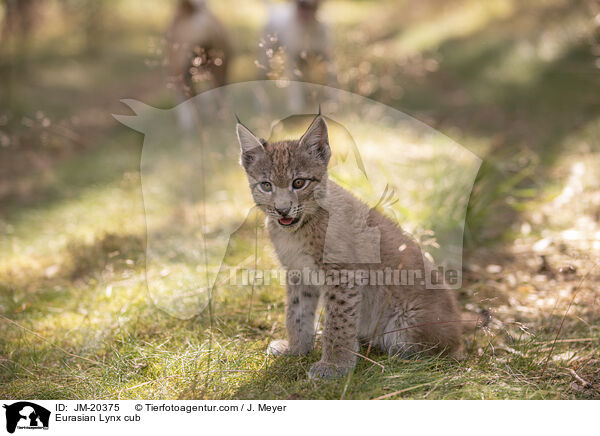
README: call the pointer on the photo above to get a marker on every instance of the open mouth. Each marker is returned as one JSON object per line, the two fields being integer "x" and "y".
{"x": 288, "y": 221}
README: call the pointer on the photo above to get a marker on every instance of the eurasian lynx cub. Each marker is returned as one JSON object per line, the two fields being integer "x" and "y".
{"x": 318, "y": 227}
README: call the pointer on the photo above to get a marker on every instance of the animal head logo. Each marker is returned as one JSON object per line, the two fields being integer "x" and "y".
{"x": 26, "y": 415}
{"x": 202, "y": 225}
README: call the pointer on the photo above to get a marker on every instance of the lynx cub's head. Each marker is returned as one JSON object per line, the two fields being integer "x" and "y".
{"x": 287, "y": 177}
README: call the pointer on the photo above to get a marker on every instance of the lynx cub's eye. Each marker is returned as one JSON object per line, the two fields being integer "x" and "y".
{"x": 265, "y": 186}
{"x": 299, "y": 183}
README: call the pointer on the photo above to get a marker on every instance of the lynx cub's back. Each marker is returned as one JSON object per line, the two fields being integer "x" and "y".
{"x": 336, "y": 246}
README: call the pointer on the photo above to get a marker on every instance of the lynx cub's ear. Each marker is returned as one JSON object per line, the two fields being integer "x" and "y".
{"x": 250, "y": 144}
{"x": 316, "y": 140}
{"x": 246, "y": 138}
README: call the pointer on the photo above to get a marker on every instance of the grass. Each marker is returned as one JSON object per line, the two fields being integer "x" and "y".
{"x": 77, "y": 319}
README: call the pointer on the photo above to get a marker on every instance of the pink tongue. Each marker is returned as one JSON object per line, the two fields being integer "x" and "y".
{"x": 286, "y": 221}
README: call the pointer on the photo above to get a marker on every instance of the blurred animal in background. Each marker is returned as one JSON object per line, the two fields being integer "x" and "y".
{"x": 198, "y": 51}
{"x": 296, "y": 45}
{"x": 20, "y": 17}
{"x": 198, "y": 46}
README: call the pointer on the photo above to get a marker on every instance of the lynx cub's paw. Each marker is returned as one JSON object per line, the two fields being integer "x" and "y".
{"x": 327, "y": 370}
{"x": 282, "y": 347}
{"x": 279, "y": 347}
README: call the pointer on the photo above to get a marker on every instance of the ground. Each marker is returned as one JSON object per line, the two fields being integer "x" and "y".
{"x": 515, "y": 83}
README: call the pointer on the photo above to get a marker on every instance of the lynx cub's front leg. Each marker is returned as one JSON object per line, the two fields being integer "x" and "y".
{"x": 300, "y": 321}
{"x": 340, "y": 333}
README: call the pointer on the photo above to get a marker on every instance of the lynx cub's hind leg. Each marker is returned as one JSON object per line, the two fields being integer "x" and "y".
{"x": 412, "y": 330}
{"x": 401, "y": 338}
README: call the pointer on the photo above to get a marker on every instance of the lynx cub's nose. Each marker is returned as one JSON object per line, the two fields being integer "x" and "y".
{"x": 283, "y": 211}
